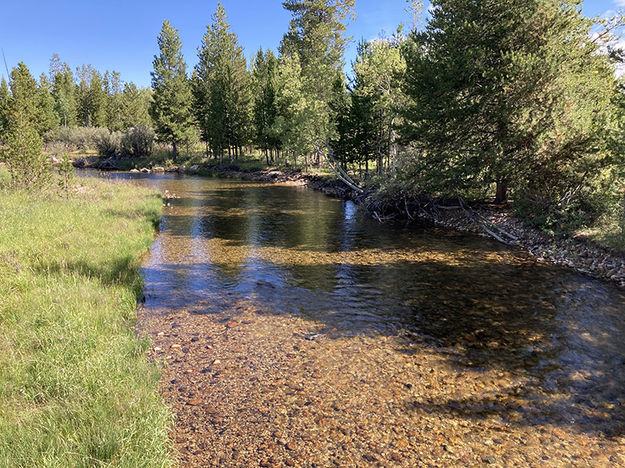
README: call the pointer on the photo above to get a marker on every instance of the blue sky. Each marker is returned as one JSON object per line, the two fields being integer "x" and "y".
{"x": 121, "y": 35}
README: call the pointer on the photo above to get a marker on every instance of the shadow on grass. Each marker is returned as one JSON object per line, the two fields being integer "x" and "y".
{"x": 121, "y": 271}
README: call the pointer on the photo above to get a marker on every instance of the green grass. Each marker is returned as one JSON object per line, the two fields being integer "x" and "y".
{"x": 76, "y": 389}
{"x": 607, "y": 232}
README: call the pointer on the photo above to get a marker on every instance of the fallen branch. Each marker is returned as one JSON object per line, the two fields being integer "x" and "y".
{"x": 471, "y": 215}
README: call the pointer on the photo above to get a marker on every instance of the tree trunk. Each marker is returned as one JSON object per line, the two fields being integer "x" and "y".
{"x": 174, "y": 152}
{"x": 502, "y": 192}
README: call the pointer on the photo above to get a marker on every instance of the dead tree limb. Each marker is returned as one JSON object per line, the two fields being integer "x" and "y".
{"x": 471, "y": 215}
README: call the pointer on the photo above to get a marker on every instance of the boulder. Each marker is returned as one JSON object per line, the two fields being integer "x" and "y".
{"x": 158, "y": 170}
{"x": 145, "y": 170}
{"x": 135, "y": 171}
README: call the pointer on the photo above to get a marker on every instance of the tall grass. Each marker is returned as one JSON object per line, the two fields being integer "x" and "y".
{"x": 75, "y": 387}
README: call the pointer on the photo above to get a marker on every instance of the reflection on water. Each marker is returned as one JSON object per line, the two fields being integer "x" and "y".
{"x": 291, "y": 250}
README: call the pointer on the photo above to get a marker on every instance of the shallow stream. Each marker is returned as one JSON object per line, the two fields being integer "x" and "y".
{"x": 530, "y": 345}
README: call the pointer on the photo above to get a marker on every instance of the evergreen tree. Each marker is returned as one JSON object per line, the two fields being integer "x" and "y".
{"x": 24, "y": 92}
{"x": 378, "y": 71}
{"x": 35, "y": 101}
{"x": 23, "y": 149}
{"x": 63, "y": 92}
{"x": 171, "y": 105}
{"x": 265, "y": 111}
{"x": 135, "y": 107}
{"x": 316, "y": 40}
{"x": 97, "y": 101}
{"x": 222, "y": 87}
{"x": 91, "y": 97}
{"x": 512, "y": 93}
{"x": 113, "y": 89}
{"x": 48, "y": 118}
{"x": 5, "y": 105}
{"x": 297, "y": 111}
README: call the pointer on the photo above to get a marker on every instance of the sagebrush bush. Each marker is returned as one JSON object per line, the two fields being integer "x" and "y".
{"x": 138, "y": 141}
{"x": 109, "y": 144}
{"x": 79, "y": 138}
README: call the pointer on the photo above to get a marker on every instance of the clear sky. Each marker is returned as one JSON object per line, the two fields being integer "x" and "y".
{"x": 121, "y": 35}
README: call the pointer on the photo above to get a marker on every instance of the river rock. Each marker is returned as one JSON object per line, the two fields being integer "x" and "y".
{"x": 145, "y": 170}
{"x": 135, "y": 171}
{"x": 158, "y": 170}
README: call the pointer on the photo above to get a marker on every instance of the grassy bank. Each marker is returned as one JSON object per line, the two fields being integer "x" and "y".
{"x": 75, "y": 386}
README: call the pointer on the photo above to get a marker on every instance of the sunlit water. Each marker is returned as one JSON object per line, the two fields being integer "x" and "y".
{"x": 292, "y": 250}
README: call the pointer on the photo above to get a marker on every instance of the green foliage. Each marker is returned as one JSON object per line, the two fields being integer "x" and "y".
{"x": 23, "y": 148}
{"x": 376, "y": 98}
{"x": 138, "y": 141}
{"x": 66, "y": 174}
{"x": 512, "y": 93}
{"x": 109, "y": 144}
{"x": 265, "y": 110}
{"x": 312, "y": 52}
{"x": 222, "y": 87}
{"x": 63, "y": 92}
{"x": 47, "y": 117}
{"x": 135, "y": 107}
{"x": 5, "y": 105}
{"x": 112, "y": 85}
{"x": 171, "y": 105}
{"x": 90, "y": 97}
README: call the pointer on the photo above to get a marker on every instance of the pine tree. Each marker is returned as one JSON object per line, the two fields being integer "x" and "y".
{"x": 63, "y": 92}
{"x": 48, "y": 119}
{"x": 23, "y": 149}
{"x": 24, "y": 92}
{"x": 5, "y": 105}
{"x": 222, "y": 87}
{"x": 514, "y": 94}
{"x": 265, "y": 111}
{"x": 135, "y": 107}
{"x": 316, "y": 40}
{"x": 378, "y": 71}
{"x": 297, "y": 112}
{"x": 97, "y": 101}
{"x": 113, "y": 89}
{"x": 171, "y": 106}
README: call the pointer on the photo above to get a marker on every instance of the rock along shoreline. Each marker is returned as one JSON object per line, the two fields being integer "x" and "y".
{"x": 577, "y": 253}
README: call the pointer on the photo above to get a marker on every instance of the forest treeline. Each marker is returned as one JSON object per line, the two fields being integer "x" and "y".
{"x": 512, "y": 100}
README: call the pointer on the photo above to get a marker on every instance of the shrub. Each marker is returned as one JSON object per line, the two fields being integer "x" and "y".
{"x": 80, "y": 138}
{"x": 23, "y": 152}
{"x": 138, "y": 141}
{"x": 109, "y": 144}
